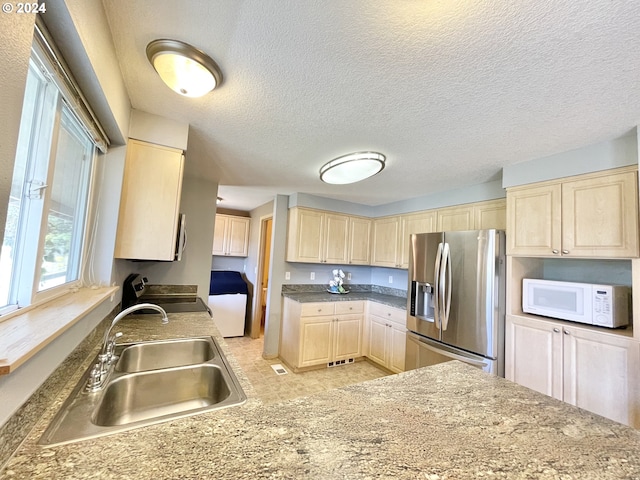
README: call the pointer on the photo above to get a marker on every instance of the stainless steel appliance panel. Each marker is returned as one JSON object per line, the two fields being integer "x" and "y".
{"x": 473, "y": 318}
{"x": 423, "y": 274}
{"x": 423, "y": 352}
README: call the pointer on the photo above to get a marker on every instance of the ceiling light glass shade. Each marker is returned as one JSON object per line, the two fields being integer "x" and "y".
{"x": 352, "y": 168}
{"x": 185, "y": 69}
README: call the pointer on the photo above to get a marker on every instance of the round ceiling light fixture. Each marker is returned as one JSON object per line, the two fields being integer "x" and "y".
{"x": 352, "y": 168}
{"x": 185, "y": 69}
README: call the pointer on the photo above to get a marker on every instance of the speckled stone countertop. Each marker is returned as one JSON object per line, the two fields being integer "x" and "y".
{"x": 448, "y": 421}
{"x": 309, "y": 294}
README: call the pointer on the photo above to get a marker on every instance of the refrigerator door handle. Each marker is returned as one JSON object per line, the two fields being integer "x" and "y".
{"x": 436, "y": 293}
{"x": 446, "y": 279}
{"x": 470, "y": 359}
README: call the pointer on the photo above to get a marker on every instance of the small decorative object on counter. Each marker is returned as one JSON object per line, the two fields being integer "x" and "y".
{"x": 335, "y": 285}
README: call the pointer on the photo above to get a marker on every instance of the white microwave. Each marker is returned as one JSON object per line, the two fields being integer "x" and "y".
{"x": 601, "y": 305}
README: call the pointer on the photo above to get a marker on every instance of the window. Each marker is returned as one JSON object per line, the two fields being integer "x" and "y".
{"x": 42, "y": 249}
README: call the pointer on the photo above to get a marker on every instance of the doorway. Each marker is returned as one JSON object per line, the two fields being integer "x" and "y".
{"x": 262, "y": 292}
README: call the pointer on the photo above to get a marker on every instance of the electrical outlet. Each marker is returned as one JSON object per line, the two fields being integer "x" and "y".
{"x": 348, "y": 275}
{"x": 312, "y": 276}
{"x": 287, "y": 275}
{"x": 390, "y": 278}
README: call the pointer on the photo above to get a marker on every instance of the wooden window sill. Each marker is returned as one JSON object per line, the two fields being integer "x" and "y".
{"x": 24, "y": 334}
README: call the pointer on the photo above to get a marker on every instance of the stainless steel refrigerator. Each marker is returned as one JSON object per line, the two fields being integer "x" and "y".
{"x": 456, "y": 299}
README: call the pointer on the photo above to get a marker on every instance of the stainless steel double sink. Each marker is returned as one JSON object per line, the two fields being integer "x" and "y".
{"x": 152, "y": 382}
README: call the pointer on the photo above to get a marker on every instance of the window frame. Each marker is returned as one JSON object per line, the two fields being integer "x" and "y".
{"x": 30, "y": 242}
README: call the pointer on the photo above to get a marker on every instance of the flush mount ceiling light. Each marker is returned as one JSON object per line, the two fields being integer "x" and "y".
{"x": 352, "y": 168}
{"x": 185, "y": 69}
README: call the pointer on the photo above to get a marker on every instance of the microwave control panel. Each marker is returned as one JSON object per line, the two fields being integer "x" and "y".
{"x": 602, "y": 305}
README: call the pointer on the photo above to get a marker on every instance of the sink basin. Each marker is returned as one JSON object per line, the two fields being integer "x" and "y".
{"x": 145, "y": 356}
{"x": 155, "y": 394}
{"x": 153, "y": 382}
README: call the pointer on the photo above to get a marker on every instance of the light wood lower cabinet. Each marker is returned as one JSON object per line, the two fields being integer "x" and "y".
{"x": 386, "y": 332}
{"x": 588, "y": 368}
{"x": 319, "y": 333}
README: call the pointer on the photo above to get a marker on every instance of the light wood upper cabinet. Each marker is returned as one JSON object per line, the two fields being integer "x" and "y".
{"x": 231, "y": 236}
{"x": 304, "y": 238}
{"x": 593, "y": 215}
{"x": 150, "y": 202}
{"x": 315, "y": 236}
{"x": 422, "y": 222}
{"x": 591, "y": 369}
{"x": 600, "y": 216}
{"x": 335, "y": 238}
{"x": 385, "y": 242}
{"x": 359, "y": 248}
{"x": 455, "y": 218}
{"x": 391, "y": 237}
{"x": 473, "y": 216}
{"x": 490, "y": 214}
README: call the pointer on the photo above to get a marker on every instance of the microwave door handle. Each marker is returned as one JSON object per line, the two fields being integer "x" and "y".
{"x": 446, "y": 285}
{"x": 436, "y": 293}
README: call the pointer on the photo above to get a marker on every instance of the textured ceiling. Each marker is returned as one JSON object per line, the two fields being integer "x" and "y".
{"x": 449, "y": 90}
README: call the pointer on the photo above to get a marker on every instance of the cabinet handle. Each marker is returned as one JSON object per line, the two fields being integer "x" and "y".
{"x": 555, "y": 252}
{"x": 566, "y": 332}
{"x": 565, "y": 252}
{"x": 556, "y": 330}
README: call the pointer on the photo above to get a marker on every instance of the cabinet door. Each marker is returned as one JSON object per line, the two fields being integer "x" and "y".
{"x": 397, "y": 347}
{"x": 305, "y": 235}
{"x": 455, "y": 218}
{"x": 491, "y": 214}
{"x": 335, "y": 238}
{"x": 348, "y": 337}
{"x": 533, "y": 354}
{"x": 315, "y": 340}
{"x": 424, "y": 222}
{"x": 238, "y": 236}
{"x": 378, "y": 338}
{"x": 534, "y": 223}
{"x": 150, "y": 202}
{"x": 359, "y": 241}
{"x": 386, "y": 236}
{"x": 600, "y": 216}
{"x": 600, "y": 373}
{"x": 219, "y": 234}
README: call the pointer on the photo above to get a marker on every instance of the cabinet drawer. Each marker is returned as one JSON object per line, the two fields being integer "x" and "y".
{"x": 349, "y": 307}
{"x": 315, "y": 309}
{"x": 389, "y": 313}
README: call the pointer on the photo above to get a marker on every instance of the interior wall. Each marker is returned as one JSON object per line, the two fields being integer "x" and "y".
{"x": 300, "y": 273}
{"x": 251, "y": 262}
{"x": 276, "y": 276}
{"x": 237, "y": 264}
{"x": 198, "y": 203}
{"x": 618, "y": 152}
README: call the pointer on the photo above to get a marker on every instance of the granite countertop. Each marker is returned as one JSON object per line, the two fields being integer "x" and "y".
{"x": 448, "y": 421}
{"x": 324, "y": 296}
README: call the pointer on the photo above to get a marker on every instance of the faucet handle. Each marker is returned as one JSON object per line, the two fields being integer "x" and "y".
{"x": 111, "y": 347}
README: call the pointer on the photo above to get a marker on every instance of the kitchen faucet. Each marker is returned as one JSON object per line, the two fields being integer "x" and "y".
{"x": 106, "y": 358}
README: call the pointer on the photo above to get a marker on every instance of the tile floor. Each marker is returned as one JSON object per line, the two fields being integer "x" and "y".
{"x": 272, "y": 388}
